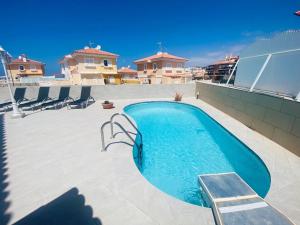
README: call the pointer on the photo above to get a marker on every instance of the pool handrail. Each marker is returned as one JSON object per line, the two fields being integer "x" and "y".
{"x": 102, "y": 135}
{"x": 139, "y": 146}
{"x": 128, "y": 119}
{"x": 112, "y": 123}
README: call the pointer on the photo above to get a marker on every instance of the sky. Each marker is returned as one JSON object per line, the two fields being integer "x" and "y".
{"x": 202, "y": 31}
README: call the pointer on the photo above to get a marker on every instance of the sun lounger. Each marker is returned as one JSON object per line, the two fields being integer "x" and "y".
{"x": 43, "y": 97}
{"x": 234, "y": 202}
{"x": 19, "y": 97}
{"x": 60, "y": 102}
{"x": 4, "y": 106}
{"x": 84, "y": 101}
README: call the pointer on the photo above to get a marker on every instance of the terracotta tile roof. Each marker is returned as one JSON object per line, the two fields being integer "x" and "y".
{"x": 28, "y": 61}
{"x": 159, "y": 56}
{"x": 126, "y": 70}
{"x": 94, "y": 51}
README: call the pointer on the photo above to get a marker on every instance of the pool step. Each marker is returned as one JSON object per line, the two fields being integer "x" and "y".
{"x": 234, "y": 202}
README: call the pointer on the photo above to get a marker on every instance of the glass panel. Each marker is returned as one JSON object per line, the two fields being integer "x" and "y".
{"x": 247, "y": 71}
{"x": 280, "y": 42}
{"x": 281, "y": 75}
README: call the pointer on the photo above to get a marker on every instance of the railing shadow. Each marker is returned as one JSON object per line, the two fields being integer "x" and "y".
{"x": 4, "y": 203}
{"x": 67, "y": 209}
{"x": 117, "y": 142}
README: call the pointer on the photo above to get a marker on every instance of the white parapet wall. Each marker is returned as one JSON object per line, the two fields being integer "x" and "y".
{"x": 274, "y": 117}
{"x": 109, "y": 92}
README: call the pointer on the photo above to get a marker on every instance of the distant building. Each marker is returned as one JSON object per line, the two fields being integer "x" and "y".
{"x": 220, "y": 71}
{"x": 23, "y": 67}
{"x": 128, "y": 76}
{"x": 161, "y": 68}
{"x": 90, "y": 66}
{"x": 198, "y": 73}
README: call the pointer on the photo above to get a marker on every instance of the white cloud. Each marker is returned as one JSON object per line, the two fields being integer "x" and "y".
{"x": 209, "y": 57}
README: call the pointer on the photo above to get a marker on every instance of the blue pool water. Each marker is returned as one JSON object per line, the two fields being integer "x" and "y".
{"x": 180, "y": 142}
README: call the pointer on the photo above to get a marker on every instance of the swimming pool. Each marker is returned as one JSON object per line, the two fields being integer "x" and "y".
{"x": 180, "y": 142}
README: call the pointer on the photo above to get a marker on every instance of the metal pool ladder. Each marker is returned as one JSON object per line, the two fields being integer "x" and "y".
{"x": 113, "y": 135}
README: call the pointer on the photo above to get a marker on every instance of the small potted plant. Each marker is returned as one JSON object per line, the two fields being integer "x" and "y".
{"x": 178, "y": 97}
{"x": 107, "y": 105}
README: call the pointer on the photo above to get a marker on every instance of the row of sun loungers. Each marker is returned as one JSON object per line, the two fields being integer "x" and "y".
{"x": 44, "y": 102}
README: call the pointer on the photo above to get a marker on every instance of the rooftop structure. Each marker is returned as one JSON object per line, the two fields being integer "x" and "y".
{"x": 160, "y": 56}
{"x": 90, "y": 66}
{"x": 25, "y": 67}
{"x": 162, "y": 68}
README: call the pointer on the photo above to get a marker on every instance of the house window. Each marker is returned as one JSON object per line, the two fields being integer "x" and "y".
{"x": 179, "y": 65}
{"x": 21, "y": 68}
{"x": 154, "y": 66}
{"x": 169, "y": 65}
{"x": 145, "y": 66}
{"x": 105, "y": 62}
{"x": 33, "y": 67}
{"x": 89, "y": 61}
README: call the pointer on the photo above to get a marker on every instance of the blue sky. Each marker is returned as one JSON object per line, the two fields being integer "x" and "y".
{"x": 202, "y": 31}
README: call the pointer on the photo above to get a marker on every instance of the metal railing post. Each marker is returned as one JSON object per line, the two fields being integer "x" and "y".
{"x": 298, "y": 97}
{"x": 232, "y": 72}
{"x": 260, "y": 72}
{"x": 112, "y": 123}
{"x": 16, "y": 111}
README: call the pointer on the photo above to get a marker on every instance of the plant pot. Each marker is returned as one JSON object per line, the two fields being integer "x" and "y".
{"x": 108, "y": 105}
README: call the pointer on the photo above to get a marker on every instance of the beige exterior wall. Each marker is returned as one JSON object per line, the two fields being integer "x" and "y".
{"x": 80, "y": 72}
{"x": 170, "y": 80}
{"x": 98, "y": 66}
{"x": 131, "y": 81}
{"x": 14, "y": 71}
{"x": 276, "y": 118}
{"x": 157, "y": 76}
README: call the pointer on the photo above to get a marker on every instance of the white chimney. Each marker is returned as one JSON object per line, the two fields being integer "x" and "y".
{"x": 98, "y": 47}
{"x": 86, "y": 47}
{"x": 158, "y": 53}
{"x": 128, "y": 66}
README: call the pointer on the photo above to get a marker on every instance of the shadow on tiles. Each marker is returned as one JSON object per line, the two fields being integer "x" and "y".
{"x": 4, "y": 203}
{"x": 67, "y": 209}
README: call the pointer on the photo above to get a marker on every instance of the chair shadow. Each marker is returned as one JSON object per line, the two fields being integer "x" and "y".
{"x": 67, "y": 209}
{"x": 5, "y": 216}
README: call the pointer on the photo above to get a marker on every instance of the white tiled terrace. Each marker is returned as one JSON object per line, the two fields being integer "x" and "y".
{"x": 50, "y": 152}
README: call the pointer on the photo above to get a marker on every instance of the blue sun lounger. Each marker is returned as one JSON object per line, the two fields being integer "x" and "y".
{"x": 234, "y": 202}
